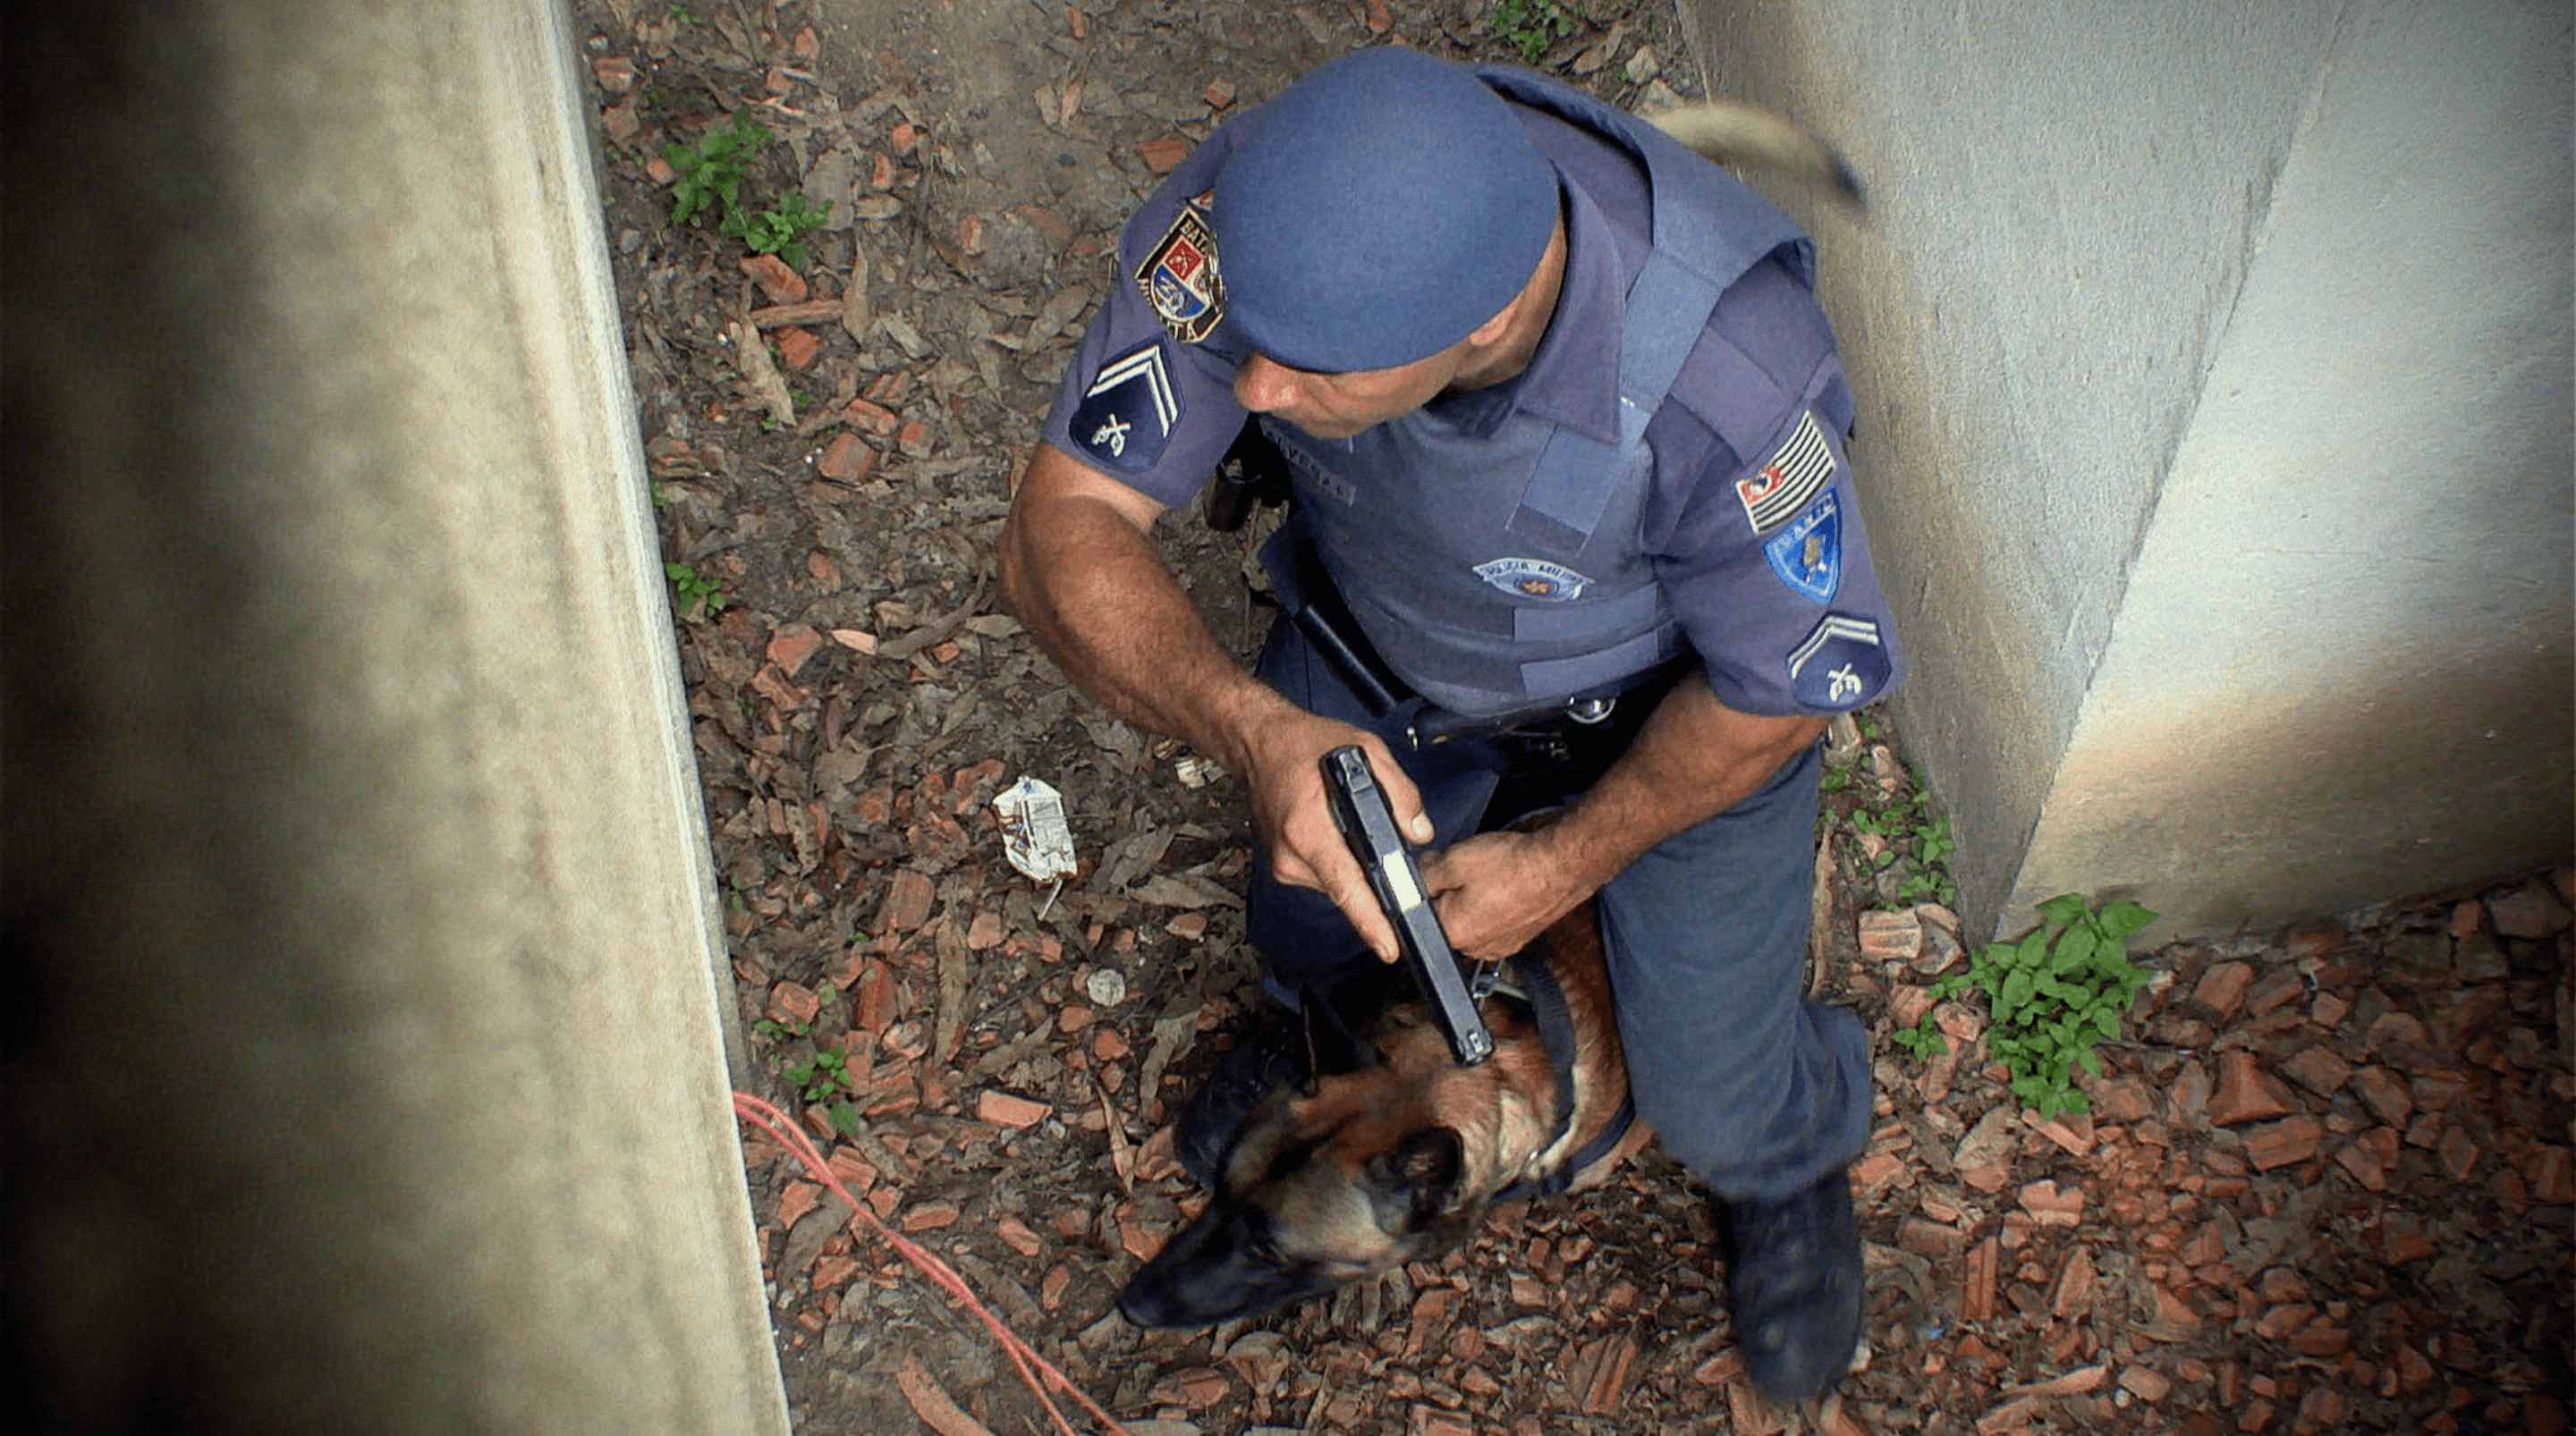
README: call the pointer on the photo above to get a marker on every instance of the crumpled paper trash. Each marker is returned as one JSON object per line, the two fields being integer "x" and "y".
{"x": 1035, "y": 836}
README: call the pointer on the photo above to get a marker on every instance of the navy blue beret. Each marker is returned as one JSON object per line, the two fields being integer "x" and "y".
{"x": 1377, "y": 211}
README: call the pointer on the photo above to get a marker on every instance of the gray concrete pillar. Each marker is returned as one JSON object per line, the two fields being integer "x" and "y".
{"x": 366, "y": 1067}
{"x": 2215, "y": 380}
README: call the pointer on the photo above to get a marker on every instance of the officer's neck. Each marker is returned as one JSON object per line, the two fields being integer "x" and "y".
{"x": 1532, "y": 313}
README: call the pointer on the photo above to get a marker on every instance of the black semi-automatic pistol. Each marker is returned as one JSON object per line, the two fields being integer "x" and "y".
{"x": 1367, "y": 822}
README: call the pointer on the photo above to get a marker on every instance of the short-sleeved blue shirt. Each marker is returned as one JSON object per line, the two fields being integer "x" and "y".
{"x": 1757, "y": 548}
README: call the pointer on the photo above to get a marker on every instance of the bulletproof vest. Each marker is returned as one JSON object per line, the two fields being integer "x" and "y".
{"x": 1495, "y": 569}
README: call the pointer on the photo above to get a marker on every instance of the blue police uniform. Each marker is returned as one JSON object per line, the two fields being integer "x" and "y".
{"x": 1667, "y": 477}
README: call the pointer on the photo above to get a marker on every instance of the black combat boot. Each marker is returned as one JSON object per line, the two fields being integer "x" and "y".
{"x": 1794, "y": 1284}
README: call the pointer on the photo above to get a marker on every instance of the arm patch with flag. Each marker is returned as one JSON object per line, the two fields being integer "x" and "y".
{"x": 1128, "y": 412}
{"x": 1781, "y": 487}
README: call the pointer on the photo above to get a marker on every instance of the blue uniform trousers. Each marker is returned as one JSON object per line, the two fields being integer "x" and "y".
{"x": 1758, "y": 1091}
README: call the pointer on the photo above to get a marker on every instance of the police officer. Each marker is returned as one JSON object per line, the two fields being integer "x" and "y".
{"x": 1563, "y": 420}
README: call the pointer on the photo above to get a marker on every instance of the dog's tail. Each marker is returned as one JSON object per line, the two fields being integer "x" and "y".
{"x": 1731, "y": 131}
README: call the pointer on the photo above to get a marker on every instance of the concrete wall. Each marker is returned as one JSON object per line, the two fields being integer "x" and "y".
{"x": 2215, "y": 381}
{"x": 366, "y": 1068}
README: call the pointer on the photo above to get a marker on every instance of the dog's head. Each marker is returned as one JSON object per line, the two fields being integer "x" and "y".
{"x": 1372, "y": 1170}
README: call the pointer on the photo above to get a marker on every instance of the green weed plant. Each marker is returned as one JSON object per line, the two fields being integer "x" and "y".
{"x": 1529, "y": 26}
{"x": 819, "y": 1074}
{"x": 2051, "y": 998}
{"x": 712, "y": 173}
{"x": 694, "y": 595}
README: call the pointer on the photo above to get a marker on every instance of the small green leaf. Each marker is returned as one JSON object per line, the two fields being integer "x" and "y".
{"x": 2018, "y": 987}
{"x": 2032, "y": 951}
{"x": 845, "y": 1118}
{"x": 2074, "y": 950}
{"x": 2062, "y": 909}
{"x": 2122, "y": 917}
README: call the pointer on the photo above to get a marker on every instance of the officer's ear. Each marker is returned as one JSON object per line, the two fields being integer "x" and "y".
{"x": 1491, "y": 332}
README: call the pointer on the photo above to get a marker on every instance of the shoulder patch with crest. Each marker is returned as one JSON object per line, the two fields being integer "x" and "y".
{"x": 1804, "y": 464}
{"x": 1179, "y": 276}
{"x": 1840, "y": 665}
{"x": 1808, "y": 554}
{"x": 1127, "y": 414}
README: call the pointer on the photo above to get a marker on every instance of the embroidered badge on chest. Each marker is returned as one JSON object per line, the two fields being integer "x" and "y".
{"x": 1808, "y": 554}
{"x": 1533, "y": 578}
{"x": 1179, "y": 276}
{"x": 1782, "y": 487}
{"x": 1841, "y": 664}
{"x": 1128, "y": 412}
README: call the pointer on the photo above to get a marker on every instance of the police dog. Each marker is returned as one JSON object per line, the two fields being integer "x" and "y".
{"x": 1399, "y": 1159}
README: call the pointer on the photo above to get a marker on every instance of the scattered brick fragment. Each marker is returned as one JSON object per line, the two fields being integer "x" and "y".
{"x": 2246, "y": 1093}
{"x": 2552, "y": 1176}
{"x": 2528, "y": 912}
{"x": 791, "y": 645}
{"x": 2050, "y": 1207}
{"x": 907, "y": 901}
{"x": 2073, "y": 1293}
{"x": 2145, "y": 1384}
{"x": 1890, "y": 936}
{"x": 1003, "y": 1109}
{"x": 797, "y": 348}
{"x": 875, "y": 418}
{"x": 797, "y": 1200}
{"x": 1978, "y": 1303}
{"x": 930, "y": 1216}
{"x": 2319, "y": 1070}
{"x": 794, "y": 1004}
{"x": 1936, "y": 1240}
{"x": 2222, "y": 988}
{"x": 2283, "y": 1143}
{"x": 782, "y": 284}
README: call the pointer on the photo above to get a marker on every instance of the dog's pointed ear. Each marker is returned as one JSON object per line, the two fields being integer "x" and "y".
{"x": 1418, "y": 1177}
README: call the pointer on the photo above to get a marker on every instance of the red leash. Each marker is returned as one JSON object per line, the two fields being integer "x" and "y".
{"x": 787, "y": 1134}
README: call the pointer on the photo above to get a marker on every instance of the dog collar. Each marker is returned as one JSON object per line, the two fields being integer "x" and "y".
{"x": 1534, "y": 985}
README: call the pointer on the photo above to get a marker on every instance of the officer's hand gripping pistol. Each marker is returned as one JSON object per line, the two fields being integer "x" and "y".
{"x": 1361, "y": 811}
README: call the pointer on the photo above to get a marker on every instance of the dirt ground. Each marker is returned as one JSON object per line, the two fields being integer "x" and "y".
{"x": 2325, "y": 1180}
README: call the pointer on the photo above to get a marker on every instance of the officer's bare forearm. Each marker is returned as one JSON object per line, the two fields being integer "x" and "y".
{"x": 1695, "y": 759}
{"x": 1093, "y": 591}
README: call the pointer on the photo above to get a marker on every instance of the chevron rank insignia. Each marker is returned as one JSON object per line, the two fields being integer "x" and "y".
{"x": 1128, "y": 412}
{"x": 1808, "y": 554}
{"x": 1782, "y": 487}
{"x": 1841, "y": 665}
